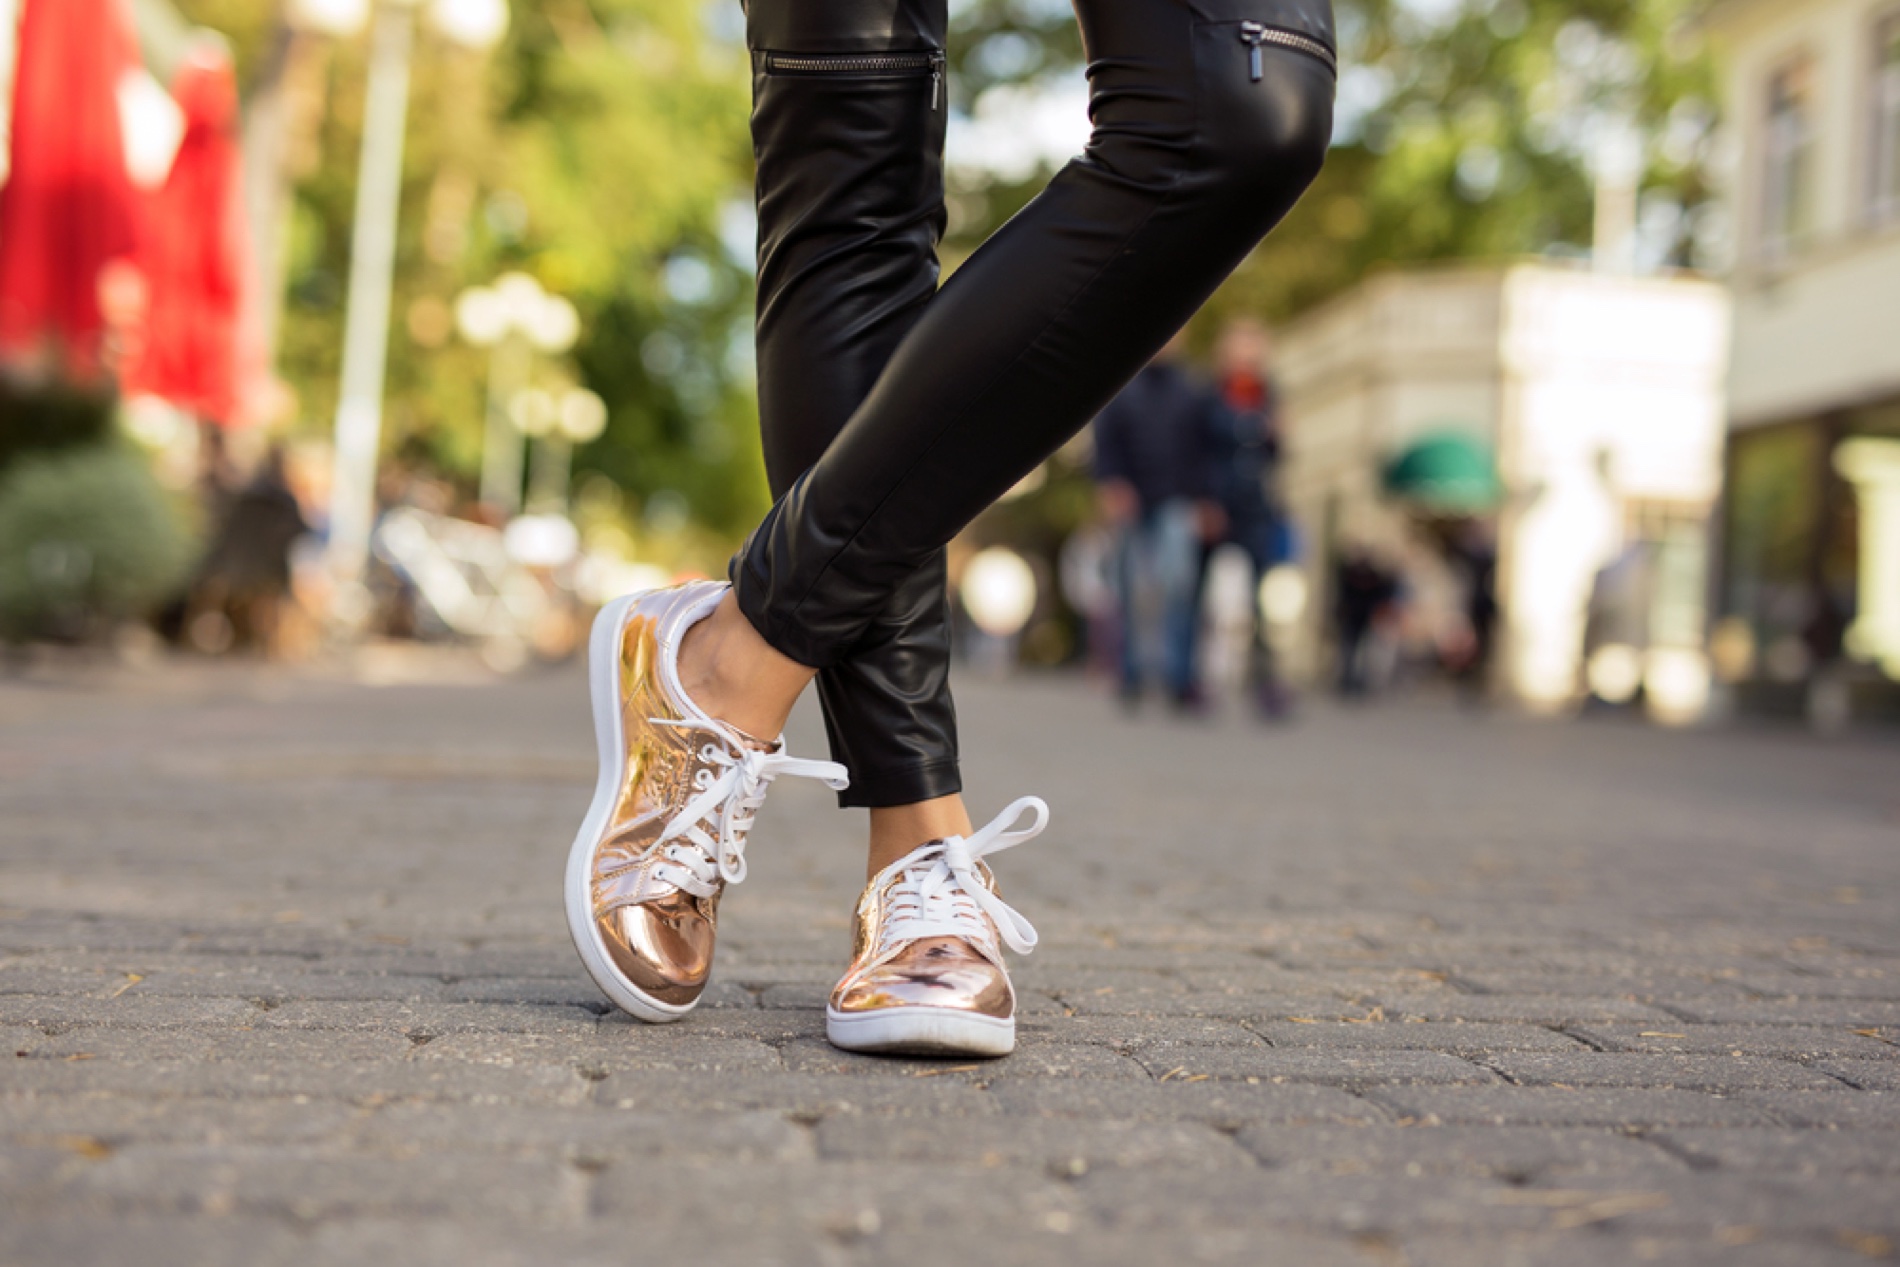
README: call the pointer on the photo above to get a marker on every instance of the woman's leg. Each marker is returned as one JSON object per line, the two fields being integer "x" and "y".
{"x": 848, "y": 126}
{"x": 1211, "y": 117}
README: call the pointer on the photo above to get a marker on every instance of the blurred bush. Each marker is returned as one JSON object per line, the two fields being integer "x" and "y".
{"x": 49, "y": 415}
{"x": 87, "y": 540}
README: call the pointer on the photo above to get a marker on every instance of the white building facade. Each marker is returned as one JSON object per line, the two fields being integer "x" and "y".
{"x": 1810, "y": 537}
{"x": 1601, "y": 397}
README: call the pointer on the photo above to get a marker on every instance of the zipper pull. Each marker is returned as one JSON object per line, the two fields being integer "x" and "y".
{"x": 1253, "y": 35}
{"x": 936, "y": 80}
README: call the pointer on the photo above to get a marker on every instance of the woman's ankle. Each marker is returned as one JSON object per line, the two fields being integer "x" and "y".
{"x": 898, "y": 829}
{"x": 735, "y": 675}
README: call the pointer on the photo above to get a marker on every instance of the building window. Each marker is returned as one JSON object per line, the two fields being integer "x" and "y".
{"x": 1788, "y": 160}
{"x": 1884, "y": 189}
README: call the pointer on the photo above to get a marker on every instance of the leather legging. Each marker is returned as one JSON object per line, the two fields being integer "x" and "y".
{"x": 848, "y": 121}
{"x": 1210, "y": 119}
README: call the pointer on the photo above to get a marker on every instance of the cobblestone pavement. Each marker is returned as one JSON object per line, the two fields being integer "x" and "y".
{"x": 283, "y": 978}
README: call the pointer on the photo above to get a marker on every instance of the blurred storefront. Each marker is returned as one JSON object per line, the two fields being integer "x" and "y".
{"x": 1600, "y": 398}
{"x": 1809, "y": 589}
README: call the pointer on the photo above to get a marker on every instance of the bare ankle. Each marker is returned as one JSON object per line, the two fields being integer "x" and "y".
{"x": 898, "y": 829}
{"x": 733, "y": 674}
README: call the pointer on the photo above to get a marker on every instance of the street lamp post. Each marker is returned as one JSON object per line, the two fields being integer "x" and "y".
{"x": 556, "y": 424}
{"x": 359, "y": 414}
{"x": 513, "y": 318}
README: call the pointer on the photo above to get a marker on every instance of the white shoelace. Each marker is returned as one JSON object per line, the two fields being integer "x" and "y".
{"x": 696, "y": 861}
{"x": 940, "y": 893}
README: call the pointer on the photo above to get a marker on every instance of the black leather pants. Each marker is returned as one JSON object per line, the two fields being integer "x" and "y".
{"x": 847, "y": 127}
{"x": 1210, "y": 119}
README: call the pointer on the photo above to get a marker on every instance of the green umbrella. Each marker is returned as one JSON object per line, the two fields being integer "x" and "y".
{"x": 1446, "y": 472}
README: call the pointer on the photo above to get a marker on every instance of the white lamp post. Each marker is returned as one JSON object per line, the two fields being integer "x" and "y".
{"x": 513, "y": 318}
{"x": 557, "y": 423}
{"x": 359, "y": 413}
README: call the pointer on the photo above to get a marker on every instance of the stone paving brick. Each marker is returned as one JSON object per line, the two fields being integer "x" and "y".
{"x": 1513, "y": 1153}
{"x": 358, "y": 1081}
{"x": 312, "y": 1183}
{"x": 1845, "y": 1109}
{"x": 112, "y": 1119}
{"x": 239, "y": 1044}
{"x": 1518, "y": 1008}
{"x": 1785, "y": 1151}
{"x": 799, "y": 1096}
{"x": 1626, "y": 1069}
{"x": 1847, "y": 1013}
{"x": 20, "y": 1039}
{"x": 591, "y": 1134}
{"x": 1634, "y": 986}
{"x": 1220, "y": 1103}
{"x": 770, "y": 1026}
{"x": 1868, "y": 1075}
{"x": 431, "y": 1018}
{"x": 599, "y": 1054}
{"x": 1710, "y": 1201}
{"x": 1334, "y": 1067}
{"x": 1135, "y": 1200}
{"x": 807, "y": 1055}
{"x": 1593, "y": 1246}
{"x": 1071, "y": 1148}
{"x": 582, "y": 1242}
{"x": 146, "y": 1011}
{"x": 1620, "y": 1108}
{"x": 1790, "y": 985}
{"x": 859, "y": 1199}
{"x": 1130, "y": 1032}
{"x": 1460, "y": 1038}
{"x": 1236, "y": 1006}
{"x": 1787, "y": 1041}
{"x": 189, "y": 1240}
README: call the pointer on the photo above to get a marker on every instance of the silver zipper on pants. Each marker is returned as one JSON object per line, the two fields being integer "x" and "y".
{"x": 931, "y": 60}
{"x": 1254, "y": 34}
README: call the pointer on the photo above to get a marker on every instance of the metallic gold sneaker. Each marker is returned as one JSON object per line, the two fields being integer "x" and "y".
{"x": 676, "y": 795}
{"x": 927, "y": 975}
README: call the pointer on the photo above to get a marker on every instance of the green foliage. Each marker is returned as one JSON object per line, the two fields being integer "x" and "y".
{"x": 597, "y": 148}
{"x": 87, "y": 539}
{"x": 49, "y": 415}
{"x": 1465, "y": 131}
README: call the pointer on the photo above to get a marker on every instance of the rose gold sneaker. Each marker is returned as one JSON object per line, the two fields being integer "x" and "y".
{"x": 677, "y": 793}
{"x": 927, "y": 975}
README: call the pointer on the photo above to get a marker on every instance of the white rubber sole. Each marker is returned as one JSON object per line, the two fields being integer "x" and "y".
{"x": 603, "y": 687}
{"x": 921, "y": 1031}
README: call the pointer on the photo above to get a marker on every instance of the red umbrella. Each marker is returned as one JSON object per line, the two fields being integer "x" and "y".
{"x": 194, "y": 251}
{"x": 68, "y": 210}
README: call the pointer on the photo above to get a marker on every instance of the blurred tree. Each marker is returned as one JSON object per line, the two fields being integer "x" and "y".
{"x": 1466, "y": 128}
{"x": 600, "y": 148}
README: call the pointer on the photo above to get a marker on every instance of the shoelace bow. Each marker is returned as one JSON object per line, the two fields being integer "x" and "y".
{"x": 697, "y": 861}
{"x": 941, "y": 894}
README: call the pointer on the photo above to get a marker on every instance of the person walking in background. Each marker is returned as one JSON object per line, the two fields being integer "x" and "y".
{"x": 894, "y": 414}
{"x": 1473, "y": 551}
{"x": 1245, "y": 450}
{"x": 1363, "y": 595}
{"x": 1154, "y": 468}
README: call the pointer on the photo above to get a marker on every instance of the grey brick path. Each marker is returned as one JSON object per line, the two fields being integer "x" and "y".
{"x": 283, "y": 979}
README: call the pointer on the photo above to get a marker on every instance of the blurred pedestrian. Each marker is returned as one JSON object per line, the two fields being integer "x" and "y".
{"x": 894, "y": 413}
{"x": 1154, "y": 464}
{"x": 1363, "y": 596}
{"x": 244, "y": 581}
{"x": 1473, "y": 552}
{"x": 1245, "y": 454}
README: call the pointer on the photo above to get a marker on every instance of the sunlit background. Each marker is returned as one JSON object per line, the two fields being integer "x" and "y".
{"x": 327, "y": 323}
